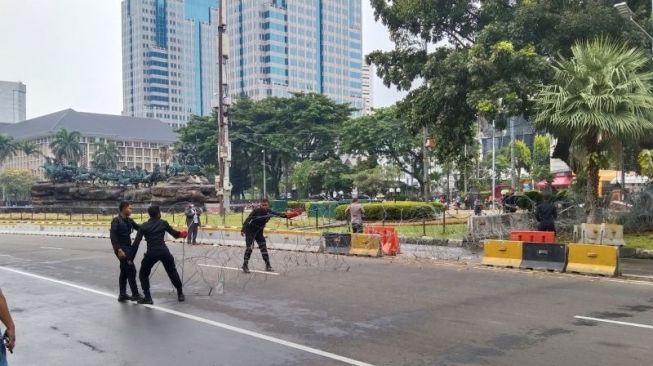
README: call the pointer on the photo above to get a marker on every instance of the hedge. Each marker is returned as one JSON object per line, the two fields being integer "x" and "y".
{"x": 395, "y": 211}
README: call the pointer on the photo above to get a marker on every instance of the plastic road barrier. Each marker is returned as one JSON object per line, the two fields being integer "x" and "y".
{"x": 593, "y": 259}
{"x": 533, "y": 236}
{"x": 503, "y": 253}
{"x": 366, "y": 244}
{"x": 336, "y": 243}
{"x": 389, "y": 238}
{"x": 547, "y": 256}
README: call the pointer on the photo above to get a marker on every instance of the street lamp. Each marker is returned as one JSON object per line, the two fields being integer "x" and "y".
{"x": 628, "y": 14}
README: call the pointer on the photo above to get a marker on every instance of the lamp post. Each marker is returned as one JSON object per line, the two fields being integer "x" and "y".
{"x": 265, "y": 189}
{"x": 392, "y": 191}
{"x": 397, "y": 191}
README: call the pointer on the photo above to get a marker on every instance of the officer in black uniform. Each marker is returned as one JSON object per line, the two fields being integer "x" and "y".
{"x": 121, "y": 229}
{"x": 154, "y": 231}
{"x": 253, "y": 231}
{"x": 546, "y": 214}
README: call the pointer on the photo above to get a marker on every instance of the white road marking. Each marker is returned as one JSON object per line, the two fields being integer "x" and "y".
{"x": 216, "y": 324}
{"x": 5, "y": 255}
{"x": 55, "y": 248}
{"x": 238, "y": 269}
{"x": 637, "y": 325}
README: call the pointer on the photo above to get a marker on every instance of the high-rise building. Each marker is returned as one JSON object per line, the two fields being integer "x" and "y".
{"x": 12, "y": 101}
{"x": 284, "y": 46}
{"x": 169, "y": 58}
{"x": 368, "y": 88}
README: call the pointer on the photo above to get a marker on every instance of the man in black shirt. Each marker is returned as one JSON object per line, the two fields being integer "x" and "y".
{"x": 546, "y": 213}
{"x": 253, "y": 231}
{"x": 121, "y": 229}
{"x": 154, "y": 231}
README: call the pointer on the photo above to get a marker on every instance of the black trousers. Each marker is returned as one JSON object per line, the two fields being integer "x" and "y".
{"x": 546, "y": 227}
{"x": 192, "y": 233}
{"x": 357, "y": 228}
{"x": 168, "y": 261}
{"x": 262, "y": 245}
{"x": 127, "y": 274}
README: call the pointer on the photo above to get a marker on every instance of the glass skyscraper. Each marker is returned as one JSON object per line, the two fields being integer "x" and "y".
{"x": 284, "y": 46}
{"x": 169, "y": 58}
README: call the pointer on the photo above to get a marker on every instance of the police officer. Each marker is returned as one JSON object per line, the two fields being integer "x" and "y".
{"x": 121, "y": 229}
{"x": 252, "y": 230}
{"x": 154, "y": 231}
{"x": 546, "y": 214}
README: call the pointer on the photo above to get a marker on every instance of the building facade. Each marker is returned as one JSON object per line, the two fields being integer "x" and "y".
{"x": 145, "y": 146}
{"x": 279, "y": 47}
{"x": 169, "y": 58}
{"x": 12, "y": 102}
{"x": 368, "y": 88}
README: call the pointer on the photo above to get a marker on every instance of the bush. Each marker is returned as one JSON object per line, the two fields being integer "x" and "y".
{"x": 293, "y": 205}
{"x": 395, "y": 211}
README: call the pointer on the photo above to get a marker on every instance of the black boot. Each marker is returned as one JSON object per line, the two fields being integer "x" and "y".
{"x": 146, "y": 301}
{"x": 268, "y": 268}
{"x": 136, "y": 297}
{"x": 180, "y": 296}
{"x": 123, "y": 298}
{"x": 245, "y": 267}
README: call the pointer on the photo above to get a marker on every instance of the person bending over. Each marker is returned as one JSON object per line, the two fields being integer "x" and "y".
{"x": 154, "y": 231}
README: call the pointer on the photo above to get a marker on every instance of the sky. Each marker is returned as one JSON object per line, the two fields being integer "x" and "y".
{"x": 68, "y": 53}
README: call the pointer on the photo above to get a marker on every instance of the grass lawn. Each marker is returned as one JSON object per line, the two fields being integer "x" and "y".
{"x": 640, "y": 240}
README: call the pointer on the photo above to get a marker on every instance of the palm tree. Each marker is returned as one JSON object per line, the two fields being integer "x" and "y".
{"x": 29, "y": 148}
{"x": 601, "y": 97}
{"x": 66, "y": 147}
{"x": 7, "y": 147}
{"x": 107, "y": 156}
{"x": 645, "y": 160}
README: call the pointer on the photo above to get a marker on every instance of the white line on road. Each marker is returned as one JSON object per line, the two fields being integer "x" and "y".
{"x": 232, "y": 328}
{"x": 55, "y": 248}
{"x": 637, "y": 325}
{"x": 238, "y": 269}
{"x": 5, "y": 255}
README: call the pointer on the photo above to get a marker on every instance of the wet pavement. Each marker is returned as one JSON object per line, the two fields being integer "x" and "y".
{"x": 317, "y": 310}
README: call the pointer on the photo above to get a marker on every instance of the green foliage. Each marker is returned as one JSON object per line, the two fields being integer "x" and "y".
{"x": 370, "y": 181}
{"x": 17, "y": 183}
{"x": 7, "y": 147}
{"x": 405, "y": 210}
{"x": 66, "y": 146}
{"x": 313, "y": 177}
{"x": 601, "y": 96}
{"x": 107, "y": 156}
{"x": 375, "y": 137}
{"x": 28, "y": 148}
{"x": 541, "y": 164}
{"x": 645, "y": 160}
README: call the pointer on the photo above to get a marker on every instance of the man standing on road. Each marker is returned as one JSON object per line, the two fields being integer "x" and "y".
{"x": 154, "y": 231}
{"x": 355, "y": 212}
{"x": 121, "y": 229}
{"x": 9, "y": 336}
{"x": 253, "y": 231}
{"x": 546, "y": 213}
{"x": 193, "y": 223}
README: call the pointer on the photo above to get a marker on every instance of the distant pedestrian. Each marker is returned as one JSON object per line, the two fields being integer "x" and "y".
{"x": 193, "y": 222}
{"x": 154, "y": 231}
{"x": 253, "y": 228}
{"x": 355, "y": 212}
{"x": 9, "y": 335}
{"x": 546, "y": 214}
{"x": 120, "y": 234}
{"x": 478, "y": 207}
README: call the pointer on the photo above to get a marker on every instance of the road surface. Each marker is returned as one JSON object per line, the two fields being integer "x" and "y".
{"x": 317, "y": 310}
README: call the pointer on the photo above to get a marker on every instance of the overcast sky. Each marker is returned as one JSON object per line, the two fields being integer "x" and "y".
{"x": 68, "y": 53}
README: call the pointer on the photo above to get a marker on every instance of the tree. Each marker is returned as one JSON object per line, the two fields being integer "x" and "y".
{"x": 385, "y": 135}
{"x": 29, "y": 148}
{"x": 313, "y": 177}
{"x": 541, "y": 166}
{"x": 107, "y": 156}
{"x": 66, "y": 147}
{"x": 601, "y": 97}
{"x": 16, "y": 183}
{"x": 645, "y": 160}
{"x": 523, "y": 158}
{"x": 7, "y": 147}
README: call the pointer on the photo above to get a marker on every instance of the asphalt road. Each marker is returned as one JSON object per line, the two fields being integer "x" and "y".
{"x": 316, "y": 310}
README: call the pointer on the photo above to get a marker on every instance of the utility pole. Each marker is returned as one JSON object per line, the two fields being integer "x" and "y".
{"x": 513, "y": 175}
{"x": 222, "y": 183}
{"x": 494, "y": 173}
{"x": 425, "y": 160}
{"x": 265, "y": 188}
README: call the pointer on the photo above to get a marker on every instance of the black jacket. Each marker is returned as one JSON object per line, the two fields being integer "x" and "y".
{"x": 121, "y": 230}
{"x": 154, "y": 231}
{"x": 258, "y": 218}
{"x": 546, "y": 213}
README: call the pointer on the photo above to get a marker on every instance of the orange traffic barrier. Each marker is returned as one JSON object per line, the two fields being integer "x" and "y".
{"x": 389, "y": 238}
{"x": 533, "y": 236}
